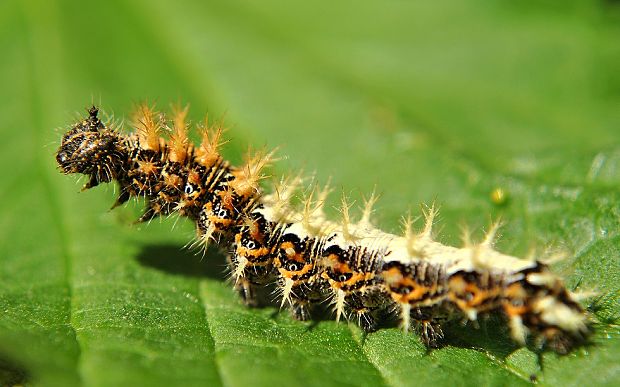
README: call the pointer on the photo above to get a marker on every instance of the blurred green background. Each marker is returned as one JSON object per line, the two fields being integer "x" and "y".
{"x": 447, "y": 101}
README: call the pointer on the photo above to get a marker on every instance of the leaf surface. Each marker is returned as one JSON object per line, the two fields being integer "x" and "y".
{"x": 428, "y": 102}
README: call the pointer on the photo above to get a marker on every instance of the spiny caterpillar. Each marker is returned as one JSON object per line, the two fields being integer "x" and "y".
{"x": 363, "y": 272}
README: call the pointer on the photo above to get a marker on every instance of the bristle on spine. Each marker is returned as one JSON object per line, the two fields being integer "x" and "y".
{"x": 179, "y": 142}
{"x": 148, "y": 123}
{"x": 208, "y": 153}
{"x": 248, "y": 177}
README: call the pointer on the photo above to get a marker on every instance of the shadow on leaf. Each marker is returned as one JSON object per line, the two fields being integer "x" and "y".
{"x": 12, "y": 374}
{"x": 488, "y": 334}
{"x": 175, "y": 259}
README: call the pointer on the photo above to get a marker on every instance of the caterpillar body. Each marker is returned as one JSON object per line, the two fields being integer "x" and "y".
{"x": 363, "y": 272}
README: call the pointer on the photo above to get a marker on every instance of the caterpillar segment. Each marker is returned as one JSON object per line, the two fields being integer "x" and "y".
{"x": 354, "y": 283}
{"x": 365, "y": 274}
{"x": 251, "y": 261}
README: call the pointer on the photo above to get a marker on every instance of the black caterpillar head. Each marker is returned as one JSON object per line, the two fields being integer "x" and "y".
{"x": 89, "y": 148}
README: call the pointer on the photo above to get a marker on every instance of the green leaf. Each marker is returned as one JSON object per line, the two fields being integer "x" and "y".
{"x": 442, "y": 102}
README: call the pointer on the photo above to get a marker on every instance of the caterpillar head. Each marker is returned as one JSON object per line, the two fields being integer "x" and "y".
{"x": 89, "y": 148}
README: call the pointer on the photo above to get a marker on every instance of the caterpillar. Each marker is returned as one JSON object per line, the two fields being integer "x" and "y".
{"x": 364, "y": 273}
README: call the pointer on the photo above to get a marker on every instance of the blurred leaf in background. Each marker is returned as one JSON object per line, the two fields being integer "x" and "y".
{"x": 451, "y": 101}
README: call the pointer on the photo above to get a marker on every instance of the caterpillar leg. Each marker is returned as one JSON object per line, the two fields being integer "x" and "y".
{"x": 247, "y": 291}
{"x": 302, "y": 298}
{"x": 249, "y": 279}
{"x": 423, "y": 321}
{"x": 241, "y": 281}
{"x": 366, "y": 319}
{"x": 427, "y": 326}
{"x": 365, "y": 307}
{"x": 364, "y": 315}
{"x": 300, "y": 310}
